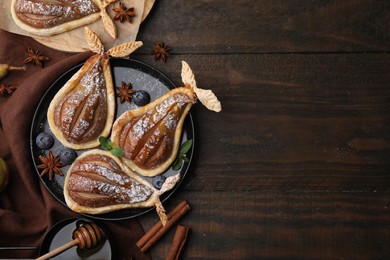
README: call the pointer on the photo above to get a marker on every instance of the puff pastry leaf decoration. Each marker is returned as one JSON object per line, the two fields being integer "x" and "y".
{"x": 124, "y": 49}
{"x": 107, "y": 21}
{"x": 187, "y": 76}
{"x": 150, "y": 136}
{"x": 98, "y": 182}
{"x": 94, "y": 43}
{"x": 50, "y": 17}
{"x": 84, "y": 108}
{"x": 206, "y": 97}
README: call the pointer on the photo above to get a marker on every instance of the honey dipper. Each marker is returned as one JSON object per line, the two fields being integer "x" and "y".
{"x": 86, "y": 236}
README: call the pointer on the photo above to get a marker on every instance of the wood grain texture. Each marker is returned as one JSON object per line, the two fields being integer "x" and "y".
{"x": 247, "y": 26}
{"x": 291, "y": 122}
{"x": 296, "y": 165}
{"x": 281, "y": 225}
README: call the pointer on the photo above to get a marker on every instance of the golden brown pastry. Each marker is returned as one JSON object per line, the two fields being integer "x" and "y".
{"x": 84, "y": 108}
{"x": 98, "y": 182}
{"x": 50, "y": 17}
{"x": 150, "y": 136}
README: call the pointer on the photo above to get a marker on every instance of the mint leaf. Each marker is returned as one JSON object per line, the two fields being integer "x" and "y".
{"x": 184, "y": 158}
{"x": 177, "y": 160}
{"x": 185, "y": 147}
{"x": 177, "y": 164}
{"x": 117, "y": 151}
{"x": 107, "y": 144}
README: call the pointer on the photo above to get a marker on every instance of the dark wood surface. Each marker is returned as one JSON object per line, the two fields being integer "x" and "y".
{"x": 297, "y": 164}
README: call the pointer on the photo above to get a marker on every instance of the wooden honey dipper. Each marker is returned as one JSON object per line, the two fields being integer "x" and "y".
{"x": 86, "y": 236}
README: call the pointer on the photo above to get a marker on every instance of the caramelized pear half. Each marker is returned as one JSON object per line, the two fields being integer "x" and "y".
{"x": 84, "y": 108}
{"x": 150, "y": 136}
{"x": 98, "y": 182}
{"x": 51, "y": 17}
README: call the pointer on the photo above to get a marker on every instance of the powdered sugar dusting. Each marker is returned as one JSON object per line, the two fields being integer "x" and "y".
{"x": 147, "y": 139}
{"x": 154, "y": 116}
{"x": 78, "y": 110}
{"x": 50, "y": 13}
{"x": 140, "y": 81}
{"x": 93, "y": 78}
{"x": 107, "y": 173}
{"x": 171, "y": 122}
{"x": 119, "y": 187}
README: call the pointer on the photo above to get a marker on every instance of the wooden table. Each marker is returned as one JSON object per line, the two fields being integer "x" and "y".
{"x": 297, "y": 164}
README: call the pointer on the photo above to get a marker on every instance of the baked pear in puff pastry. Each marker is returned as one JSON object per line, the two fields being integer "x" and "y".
{"x": 84, "y": 108}
{"x": 150, "y": 136}
{"x": 98, "y": 182}
{"x": 50, "y": 17}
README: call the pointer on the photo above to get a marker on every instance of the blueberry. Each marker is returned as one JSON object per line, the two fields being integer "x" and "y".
{"x": 67, "y": 155}
{"x": 141, "y": 98}
{"x": 44, "y": 141}
{"x": 158, "y": 181}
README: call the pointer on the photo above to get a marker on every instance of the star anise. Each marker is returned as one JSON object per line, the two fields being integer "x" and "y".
{"x": 6, "y": 90}
{"x": 125, "y": 92}
{"x": 50, "y": 164}
{"x": 161, "y": 51}
{"x": 123, "y": 13}
{"x": 36, "y": 57}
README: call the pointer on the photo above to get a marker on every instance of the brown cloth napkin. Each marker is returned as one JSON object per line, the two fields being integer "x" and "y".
{"x": 27, "y": 209}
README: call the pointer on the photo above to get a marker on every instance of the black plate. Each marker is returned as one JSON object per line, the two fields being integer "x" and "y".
{"x": 61, "y": 233}
{"x": 141, "y": 76}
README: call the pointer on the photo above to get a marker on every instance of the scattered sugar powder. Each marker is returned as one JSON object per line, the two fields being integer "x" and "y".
{"x": 182, "y": 100}
{"x": 69, "y": 9}
{"x": 86, "y": 6}
{"x": 155, "y": 115}
{"x": 171, "y": 122}
{"x": 107, "y": 173}
{"x": 136, "y": 192}
{"x": 80, "y": 127}
{"x": 94, "y": 77}
{"x": 92, "y": 82}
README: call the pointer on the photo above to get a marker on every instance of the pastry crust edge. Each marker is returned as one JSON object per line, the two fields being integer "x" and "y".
{"x": 150, "y": 202}
{"x": 68, "y": 26}
{"x": 123, "y": 119}
{"x": 68, "y": 86}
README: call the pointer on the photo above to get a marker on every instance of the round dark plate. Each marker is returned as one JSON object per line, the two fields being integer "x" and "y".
{"x": 142, "y": 76}
{"x": 61, "y": 233}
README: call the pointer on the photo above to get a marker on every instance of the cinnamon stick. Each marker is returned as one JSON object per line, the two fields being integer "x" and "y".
{"x": 178, "y": 242}
{"x": 158, "y": 230}
{"x": 148, "y": 235}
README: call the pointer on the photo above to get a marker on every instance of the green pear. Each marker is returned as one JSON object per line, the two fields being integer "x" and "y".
{"x": 4, "y": 174}
{"x": 4, "y": 68}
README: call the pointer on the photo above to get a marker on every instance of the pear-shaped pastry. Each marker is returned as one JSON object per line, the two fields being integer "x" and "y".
{"x": 84, "y": 108}
{"x": 150, "y": 136}
{"x": 50, "y": 17}
{"x": 98, "y": 182}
